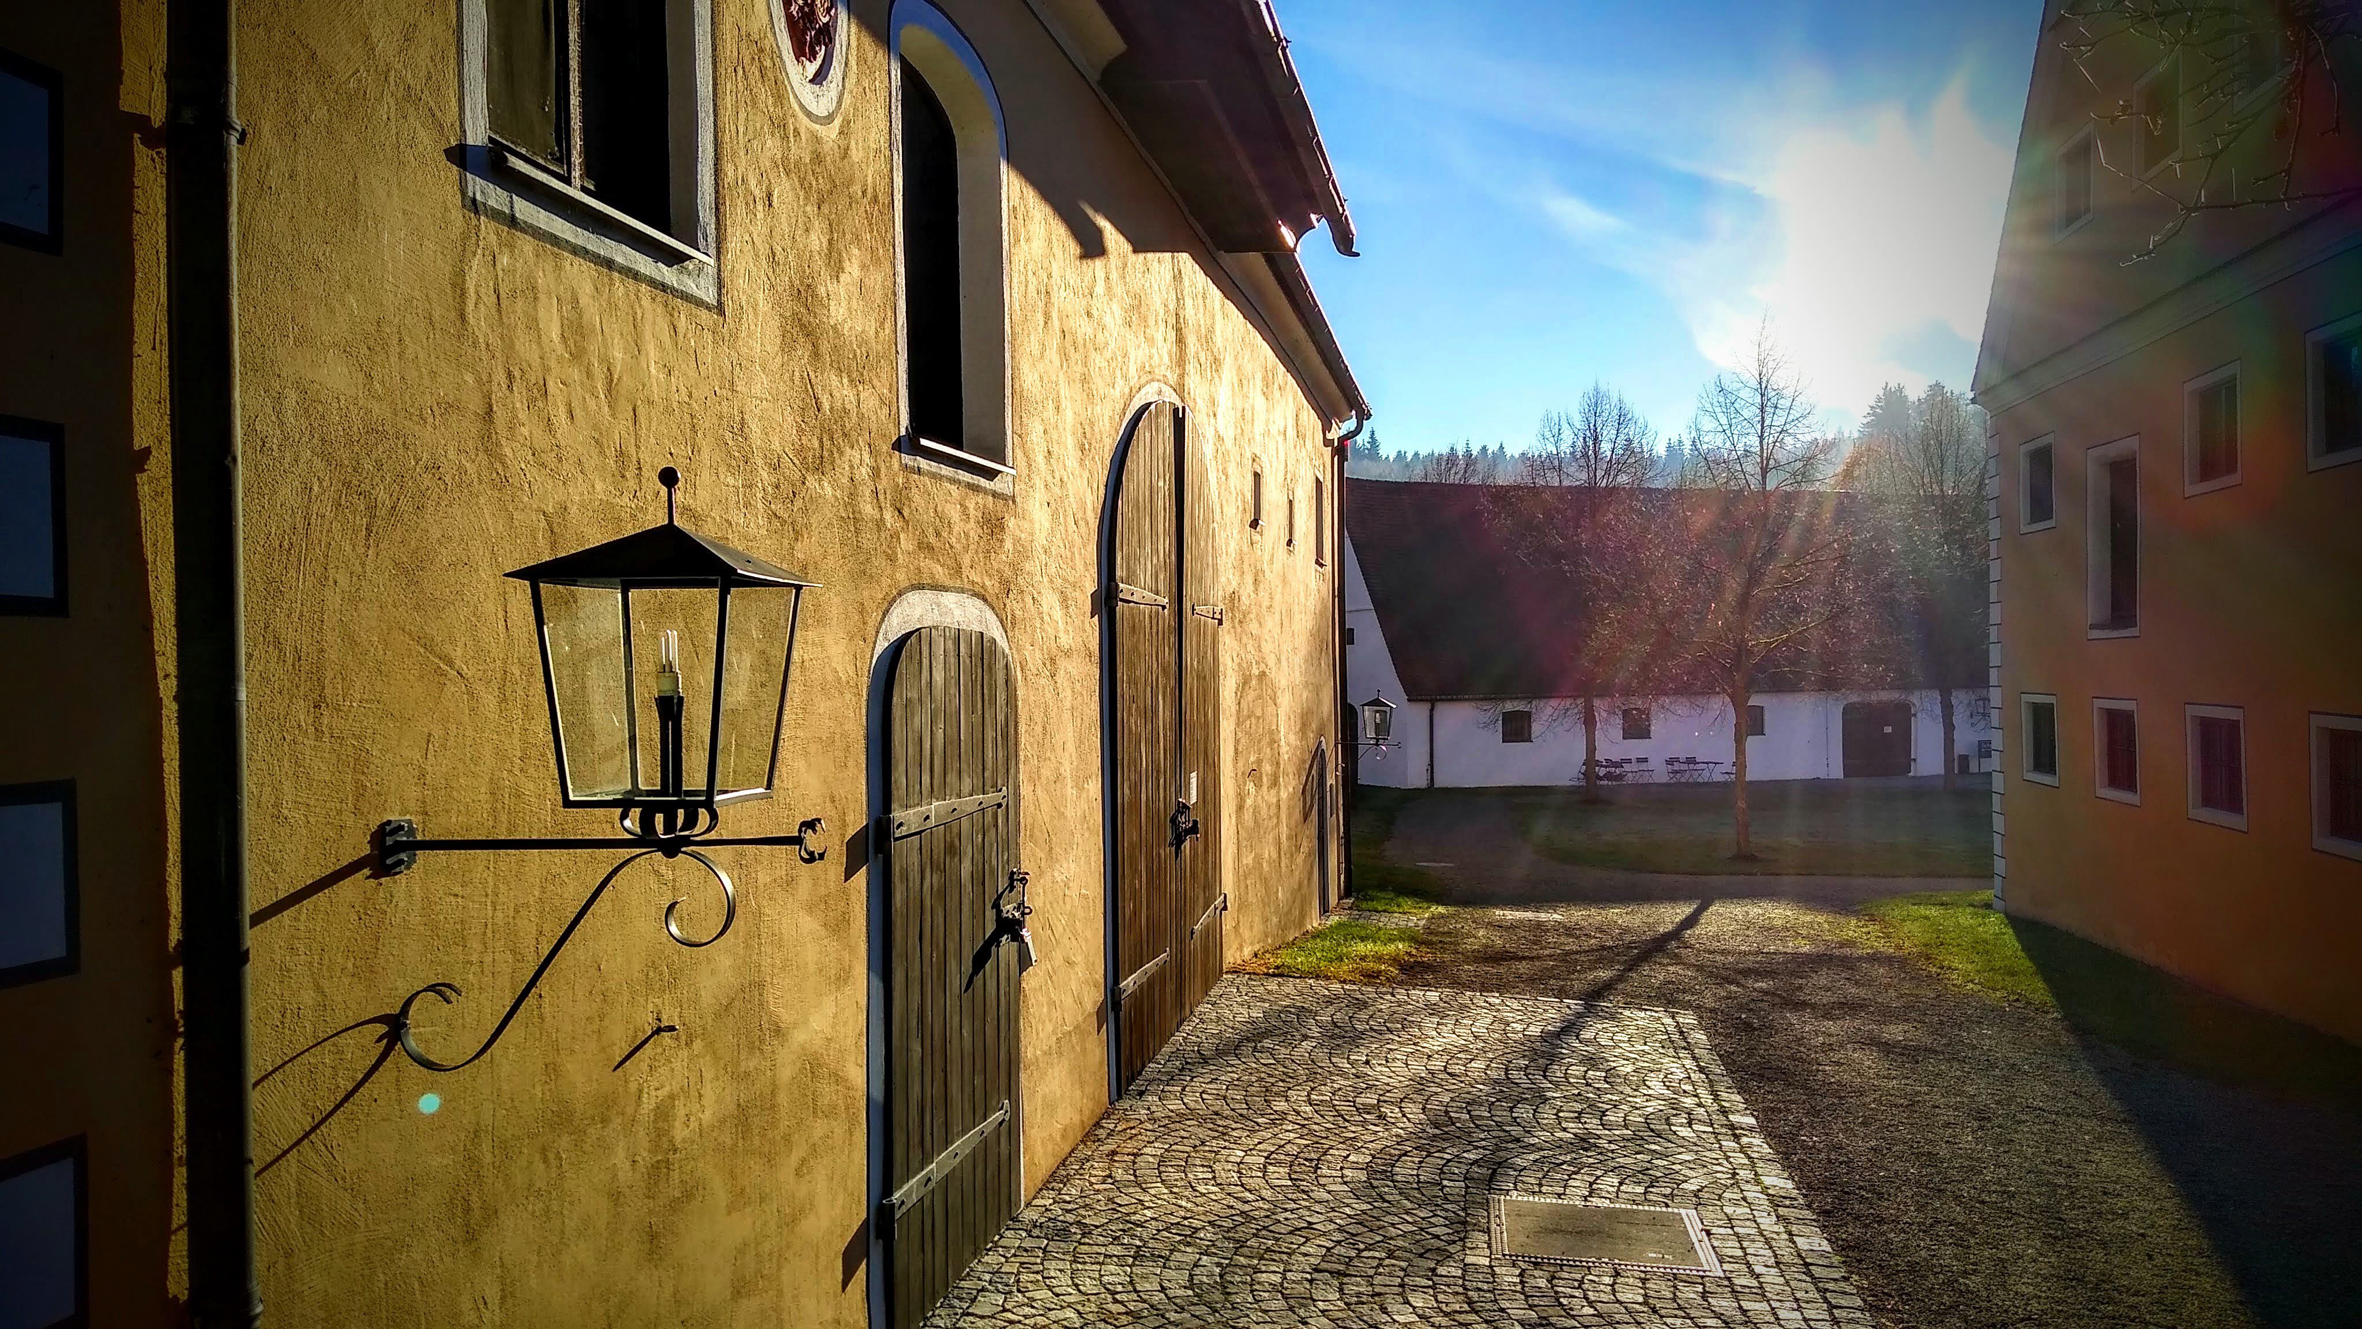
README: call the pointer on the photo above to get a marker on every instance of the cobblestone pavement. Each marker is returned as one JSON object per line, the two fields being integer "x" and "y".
{"x": 1322, "y": 1154}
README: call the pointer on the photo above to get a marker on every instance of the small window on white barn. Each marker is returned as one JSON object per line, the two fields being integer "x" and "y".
{"x": 1636, "y": 722}
{"x": 1755, "y": 722}
{"x": 32, "y": 155}
{"x": 1517, "y": 726}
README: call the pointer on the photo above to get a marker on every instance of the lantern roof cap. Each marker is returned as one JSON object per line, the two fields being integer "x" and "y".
{"x": 667, "y": 555}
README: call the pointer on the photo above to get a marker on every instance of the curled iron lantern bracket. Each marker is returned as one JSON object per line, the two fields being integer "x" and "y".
{"x": 398, "y": 845}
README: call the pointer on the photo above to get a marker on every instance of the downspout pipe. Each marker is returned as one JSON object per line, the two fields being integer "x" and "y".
{"x": 1350, "y": 769}
{"x": 201, "y": 201}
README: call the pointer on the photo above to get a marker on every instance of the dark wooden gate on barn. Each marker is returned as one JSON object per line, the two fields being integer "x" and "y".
{"x": 1877, "y": 737}
{"x": 951, "y": 1107}
{"x": 1165, "y": 644}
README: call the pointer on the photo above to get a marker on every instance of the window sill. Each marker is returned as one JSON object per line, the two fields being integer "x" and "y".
{"x": 2062, "y": 232}
{"x": 950, "y": 463}
{"x": 2194, "y": 488}
{"x": 2233, "y": 821}
{"x": 2033, "y": 777}
{"x": 502, "y": 185}
{"x": 2111, "y": 631}
{"x": 2322, "y": 461}
{"x": 2127, "y": 797}
{"x": 2052, "y": 524}
{"x": 2330, "y": 844}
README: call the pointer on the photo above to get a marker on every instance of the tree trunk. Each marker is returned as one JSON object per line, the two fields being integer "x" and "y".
{"x": 1951, "y": 744}
{"x": 1591, "y": 749}
{"x": 1738, "y": 766}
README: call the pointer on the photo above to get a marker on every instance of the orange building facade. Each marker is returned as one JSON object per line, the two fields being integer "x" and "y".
{"x": 2174, "y": 485}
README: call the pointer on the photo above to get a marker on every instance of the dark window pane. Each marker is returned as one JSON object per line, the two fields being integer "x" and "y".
{"x": 931, "y": 261}
{"x": 2161, "y": 117}
{"x": 2341, "y": 783}
{"x": 2222, "y": 780}
{"x": 2042, "y": 738}
{"x": 1755, "y": 722}
{"x": 2218, "y": 431}
{"x": 2124, "y": 543}
{"x": 30, "y": 165}
{"x": 525, "y": 79}
{"x": 2341, "y": 393}
{"x": 29, "y": 513}
{"x": 2121, "y": 755}
{"x": 627, "y": 109}
{"x": 2041, "y": 487}
{"x": 1636, "y": 722}
{"x": 1517, "y": 726}
{"x": 41, "y": 1229}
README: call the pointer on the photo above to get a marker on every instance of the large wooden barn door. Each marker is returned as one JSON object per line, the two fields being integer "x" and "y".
{"x": 1875, "y": 737}
{"x": 1166, "y": 739}
{"x": 952, "y": 1105}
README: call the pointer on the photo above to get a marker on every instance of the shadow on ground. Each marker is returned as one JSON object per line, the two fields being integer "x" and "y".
{"x": 2149, "y": 1155}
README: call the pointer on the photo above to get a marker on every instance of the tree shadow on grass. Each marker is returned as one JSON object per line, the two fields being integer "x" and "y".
{"x": 2257, "y": 1119}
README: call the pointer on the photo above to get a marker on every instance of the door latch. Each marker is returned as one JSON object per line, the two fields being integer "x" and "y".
{"x": 1185, "y": 822}
{"x": 1013, "y": 913}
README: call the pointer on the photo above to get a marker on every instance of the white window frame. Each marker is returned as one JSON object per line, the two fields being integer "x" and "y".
{"x": 2322, "y": 839}
{"x": 2085, "y": 139}
{"x": 2192, "y": 713}
{"x": 2191, "y": 484}
{"x": 2315, "y": 426}
{"x": 2025, "y": 487}
{"x": 2095, "y": 533}
{"x": 1525, "y": 711}
{"x": 2026, "y": 703}
{"x": 500, "y": 184}
{"x": 2099, "y": 749}
{"x": 955, "y": 74}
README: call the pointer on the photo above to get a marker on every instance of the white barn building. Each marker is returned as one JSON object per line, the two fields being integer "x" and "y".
{"x": 1431, "y": 628}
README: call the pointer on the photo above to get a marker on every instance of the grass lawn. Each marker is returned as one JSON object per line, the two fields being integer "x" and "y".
{"x": 1960, "y": 935}
{"x": 1836, "y": 828}
{"x": 1345, "y": 948}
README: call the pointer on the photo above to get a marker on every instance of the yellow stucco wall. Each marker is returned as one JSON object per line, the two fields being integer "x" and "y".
{"x": 2248, "y": 598}
{"x": 432, "y": 397}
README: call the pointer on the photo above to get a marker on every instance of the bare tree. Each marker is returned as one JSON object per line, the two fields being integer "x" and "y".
{"x": 2250, "y": 93}
{"x": 1925, "y": 464}
{"x": 1581, "y": 530}
{"x": 1761, "y": 562}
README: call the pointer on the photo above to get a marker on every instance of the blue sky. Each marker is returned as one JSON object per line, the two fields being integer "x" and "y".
{"x": 1550, "y": 192}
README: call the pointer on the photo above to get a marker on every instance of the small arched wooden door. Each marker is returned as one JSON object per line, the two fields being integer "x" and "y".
{"x": 1165, "y": 736}
{"x": 951, "y": 1085}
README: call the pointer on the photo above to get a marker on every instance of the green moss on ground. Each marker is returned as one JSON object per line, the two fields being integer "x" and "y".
{"x": 1347, "y": 949}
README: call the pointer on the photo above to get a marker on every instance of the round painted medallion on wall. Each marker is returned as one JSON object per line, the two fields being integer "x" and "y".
{"x": 813, "y": 42}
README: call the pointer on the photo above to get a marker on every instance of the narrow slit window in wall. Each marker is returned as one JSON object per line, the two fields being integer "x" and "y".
{"x": 44, "y": 1243}
{"x": 1255, "y": 502}
{"x": 931, "y": 263}
{"x": 32, "y": 517}
{"x": 40, "y": 927}
{"x": 1320, "y": 524}
{"x": 32, "y": 155}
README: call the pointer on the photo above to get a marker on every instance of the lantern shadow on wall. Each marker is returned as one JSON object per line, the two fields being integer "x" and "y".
{"x": 665, "y": 659}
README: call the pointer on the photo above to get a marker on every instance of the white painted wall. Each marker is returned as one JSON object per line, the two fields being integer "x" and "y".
{"x": 1802, "y": 738}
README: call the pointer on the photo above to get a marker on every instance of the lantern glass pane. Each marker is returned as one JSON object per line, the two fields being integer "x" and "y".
{"x": 582, "y": 639}
{"x": 691, "y": 612}
{"x": 754, "y": 684}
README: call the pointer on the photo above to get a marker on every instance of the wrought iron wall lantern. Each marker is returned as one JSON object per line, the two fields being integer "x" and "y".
{"x": 1377, "y": 722}
{"x": 665, "y": 659}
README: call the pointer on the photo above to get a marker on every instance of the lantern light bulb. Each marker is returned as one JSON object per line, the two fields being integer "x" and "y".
{"x": 668, "y": 664}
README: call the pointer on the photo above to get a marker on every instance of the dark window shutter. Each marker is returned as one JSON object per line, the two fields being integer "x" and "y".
{"x": 2042, "y": 738}
{"x": 527, "y": 40}
{"x": 931, "y": 262}
{"x": 2221, "y": 782}
{"x": 627, "y": 109}
{"x": 2124, "y": 543}
{"x": 2341, "y": 783}
{"x": 2122, "y": 758}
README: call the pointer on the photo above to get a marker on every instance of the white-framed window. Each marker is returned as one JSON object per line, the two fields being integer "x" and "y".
{"x": 951, "y": 147}
{"x": 593, "y": 128}
{"x": 2116, "y": 749}
{"x": 2112, "y": 496}
{"x": 2218, "y": 765}
{"x": 2337, "y": 784}
{"x": 2071, "y": 176}
{"x": 2040, "y": 762}
{"x": 2333, "y": 376}
{"x": 2210, "y": 431}
{"x": 2158, "y": 99}
{"x": 32, "y": 155}
{"x": 2038, "y": 485}
{"x": 1517, "y": 726}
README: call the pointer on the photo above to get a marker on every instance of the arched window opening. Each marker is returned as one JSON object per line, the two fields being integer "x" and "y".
{"x": 930, "y": 263}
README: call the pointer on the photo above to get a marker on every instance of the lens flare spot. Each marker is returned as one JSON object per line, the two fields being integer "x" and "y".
{"x": 430, "y": 1103}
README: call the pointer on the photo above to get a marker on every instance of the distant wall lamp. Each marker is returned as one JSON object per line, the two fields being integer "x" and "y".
{"x": 1377, "y": 723}
{"x": 665, "y": 657}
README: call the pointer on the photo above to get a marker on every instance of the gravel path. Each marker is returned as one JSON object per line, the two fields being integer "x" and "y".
{"x": 2154, "y": 1158}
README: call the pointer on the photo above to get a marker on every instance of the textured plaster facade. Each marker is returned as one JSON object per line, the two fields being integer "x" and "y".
{"x": 432, "y": 396}
{"x": 2247, "y": 593}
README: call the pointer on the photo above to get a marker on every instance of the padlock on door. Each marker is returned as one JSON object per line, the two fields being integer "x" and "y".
{"x": 1013, "y": 916}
